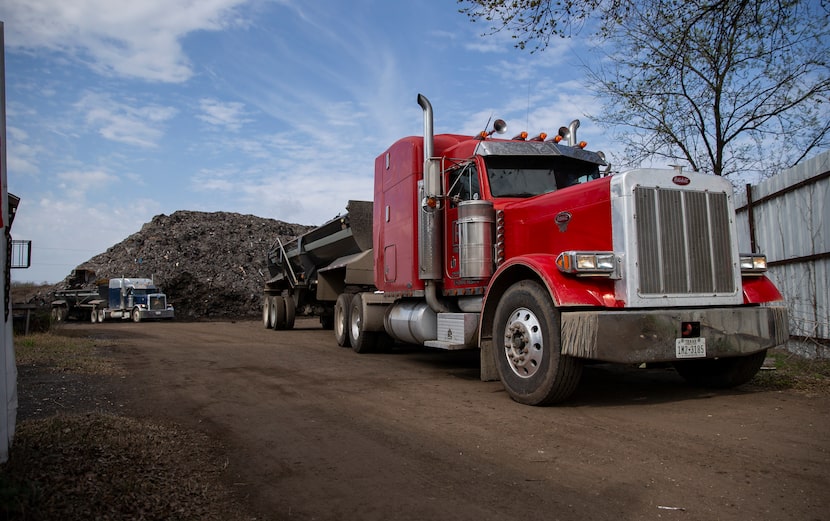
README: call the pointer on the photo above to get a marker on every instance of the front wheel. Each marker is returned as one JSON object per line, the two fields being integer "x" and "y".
{"x": 136, "y": 315}
{"x": 722, "y": 372}
{"x": 528, "y": 348}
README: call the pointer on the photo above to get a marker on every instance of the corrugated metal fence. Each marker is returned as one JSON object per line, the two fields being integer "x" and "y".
{"x": 787, "y": 217}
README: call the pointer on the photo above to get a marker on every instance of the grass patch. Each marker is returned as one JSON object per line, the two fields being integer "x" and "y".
{"x": 63, "y": 353}
{"x": 785, "y": 370}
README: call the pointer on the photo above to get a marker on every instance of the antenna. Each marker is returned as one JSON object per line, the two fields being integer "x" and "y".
{"x": 488, "y": 123}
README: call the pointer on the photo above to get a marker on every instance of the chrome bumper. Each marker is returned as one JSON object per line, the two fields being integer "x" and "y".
{"x": 638, "y": 336}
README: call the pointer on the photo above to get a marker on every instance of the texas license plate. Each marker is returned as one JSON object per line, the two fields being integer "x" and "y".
{"x": 690, "y": 347}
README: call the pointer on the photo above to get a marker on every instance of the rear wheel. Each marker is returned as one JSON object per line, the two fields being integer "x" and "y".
{"x": 528, "y": 347}
{"x": 272, "y": 311}
{"x": 266, "y": 311}
{"x": 290, "y": 312}
{"x": 362, "y": 341}
{"x": 721, "y": 372}
{"x": 93, "y": 315}
{"x": 278, "y": 313}
{"x": 341, "y": 319}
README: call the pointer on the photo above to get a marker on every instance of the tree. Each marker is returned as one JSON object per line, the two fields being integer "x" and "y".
{"x": 728, "y": 86}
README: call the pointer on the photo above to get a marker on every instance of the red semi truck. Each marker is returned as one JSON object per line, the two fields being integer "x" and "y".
{"x": 527, "y": 250}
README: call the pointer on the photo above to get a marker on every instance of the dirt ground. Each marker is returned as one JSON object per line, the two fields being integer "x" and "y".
{"x": 314, "y": 431}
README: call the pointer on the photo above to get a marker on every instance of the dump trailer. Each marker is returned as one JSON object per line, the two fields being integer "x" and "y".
{"x": 311, "y": 272}
{"x": 530, "y": 250}
{"x": 122, "y": 298}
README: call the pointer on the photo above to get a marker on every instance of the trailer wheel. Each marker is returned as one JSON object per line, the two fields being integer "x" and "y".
{"x": 341, "y": 319}
{"x": 362, "y": 341}
{"x": 266, "y": 311}
{"x": 100, "y": 317}
{"x": 93, "y": 315}
{"x": 59, "y": 313}
{"x": 722, "y": 372}
{"x": 272, "y": 311}
{"x": 527, "y": 347}
{"x": 278, "y": 313}
{"x": 290, "y": 312}
{"x": 136, "y": 315}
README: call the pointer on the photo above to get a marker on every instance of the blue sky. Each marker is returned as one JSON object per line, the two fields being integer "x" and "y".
{"x": 118, "y": 111}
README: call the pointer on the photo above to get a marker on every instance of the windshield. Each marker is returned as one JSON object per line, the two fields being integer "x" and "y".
{"x": 526, "y": 176}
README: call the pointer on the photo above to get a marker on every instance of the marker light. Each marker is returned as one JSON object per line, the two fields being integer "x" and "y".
{"x": 541, "y": 137}
{"x": 753, "y": 264}
{"x": 582, "y": 144}
{"x": 521, "y": 136}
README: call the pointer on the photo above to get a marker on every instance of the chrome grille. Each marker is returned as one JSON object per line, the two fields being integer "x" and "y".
{"x": 158, "y": 302}
{"x": 683, "y": 242}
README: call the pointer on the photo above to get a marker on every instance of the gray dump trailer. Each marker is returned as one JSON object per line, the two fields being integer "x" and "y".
{"x": 308, "y": 274}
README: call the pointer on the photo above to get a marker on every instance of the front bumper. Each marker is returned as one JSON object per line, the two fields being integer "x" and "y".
{"x": 638, "y": 336}
{"x": 156, "y": 313}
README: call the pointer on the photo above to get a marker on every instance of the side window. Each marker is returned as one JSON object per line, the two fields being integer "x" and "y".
{"x": 463, "y": 184}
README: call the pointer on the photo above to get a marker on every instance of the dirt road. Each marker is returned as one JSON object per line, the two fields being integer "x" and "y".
{"x": 314, "y": 431}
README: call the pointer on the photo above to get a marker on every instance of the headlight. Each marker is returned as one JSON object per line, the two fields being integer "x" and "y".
{"x": 753, "y": 264}
{"x": 603, "y": 264}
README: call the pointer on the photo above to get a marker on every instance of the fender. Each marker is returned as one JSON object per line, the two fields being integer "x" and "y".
{"x": 566, "y": 291}
{"x": 760, "y": 289}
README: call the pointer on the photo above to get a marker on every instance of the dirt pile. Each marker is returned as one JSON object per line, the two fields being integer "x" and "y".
{"x": 210, "y": 265}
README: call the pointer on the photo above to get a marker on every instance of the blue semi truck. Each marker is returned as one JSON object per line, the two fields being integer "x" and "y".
{"x": 122, "y": 298}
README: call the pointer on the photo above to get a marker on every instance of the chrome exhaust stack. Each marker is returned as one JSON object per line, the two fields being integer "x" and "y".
{"x": 430, "y": 218}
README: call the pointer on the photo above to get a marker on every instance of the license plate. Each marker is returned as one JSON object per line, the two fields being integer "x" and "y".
{"x": 690, "y": 347}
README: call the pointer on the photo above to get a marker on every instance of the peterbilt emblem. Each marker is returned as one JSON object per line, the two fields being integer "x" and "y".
{"x": 562, "y": 219}
{"x": 681, "y": 180}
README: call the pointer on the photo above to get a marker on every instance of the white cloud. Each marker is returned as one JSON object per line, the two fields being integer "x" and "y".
{"x": 77, "y": 183}
{"x": 22, "y": 156}
{"x": 53, "y": 224}
{"x": 125, "y": 122}
{"x": 126, "y": 38}
{"x": 229, "y": 115}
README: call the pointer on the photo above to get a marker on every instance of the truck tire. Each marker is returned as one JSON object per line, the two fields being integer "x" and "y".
{"x": 528, "y": 347}
{"x": 721, "y": 373}
{"x": 290, "y": 312}
{"x": 362, "y": 341}
{"x": 341, "y": 319}
{"x": 278, "y": 313}
{"x": 59, "y": 313}
{"x": 136, "y": 315}
{"x": 272, "y": 311}
{"x": 266, "y": 311}
{"x": 93, "y": 315}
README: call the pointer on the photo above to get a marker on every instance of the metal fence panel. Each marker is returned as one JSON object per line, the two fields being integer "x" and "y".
{"x": 790, "y": 219}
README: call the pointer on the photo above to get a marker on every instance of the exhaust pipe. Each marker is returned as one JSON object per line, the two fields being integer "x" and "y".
{"x": 430, "y": 222}
{"x": 432, "y": 177}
